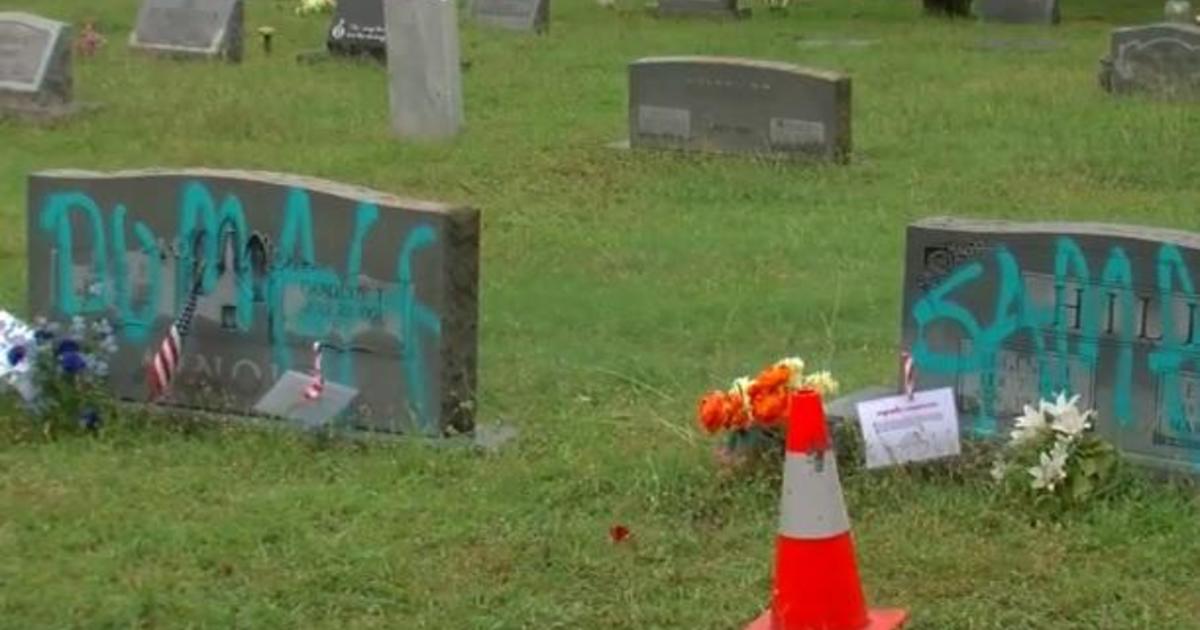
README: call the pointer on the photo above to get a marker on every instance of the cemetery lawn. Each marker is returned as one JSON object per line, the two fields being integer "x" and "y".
{"x": 616, "y": 288}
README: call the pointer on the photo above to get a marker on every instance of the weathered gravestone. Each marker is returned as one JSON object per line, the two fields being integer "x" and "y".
{"x": 35, "y": 65}
{"x": 388, "y": 285}
{"x": 357, "y": 29}
{"x": 1018, "y": 11}
{"x": 1007, "y": 313}
{"x": 700, "y": 8}
{"x": 190, "y": 28}
{"x": 424, "y": 78}
{"x": 517, "y": 15}
{"x": 738, "y": 106}
{"x": 1159, "y": 59}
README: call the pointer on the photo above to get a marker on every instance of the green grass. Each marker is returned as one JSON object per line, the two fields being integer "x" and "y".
{"x": 616, "y": 287}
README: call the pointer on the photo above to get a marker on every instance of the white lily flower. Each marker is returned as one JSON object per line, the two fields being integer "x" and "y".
{"x": 1071, "y": 423}
{"x": 1029, "y": 425}
{"x": 822, "y": 382}
{"x": 999, "y": 470}
{"x": 1051, "y": 468}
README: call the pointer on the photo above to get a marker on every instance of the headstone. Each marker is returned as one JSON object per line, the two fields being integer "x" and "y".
{"x": 738, "y": 106}
{"x": 35, "y": 65}
{"x": 1010, "y": 313}
{"x": 424, "y": 80}
{"x": 700, "y": 8}
{"x": 387, "y": 285}
{"x": 190, "y": 28}
{"x": 1159, "y": 59}
{"x": 357, "y": 29}
{"x": 517, "y": 15}
{"x": 1018, "y": 11}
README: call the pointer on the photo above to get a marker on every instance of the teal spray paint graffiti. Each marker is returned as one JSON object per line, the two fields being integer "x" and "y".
{"x": 205, "y": 224}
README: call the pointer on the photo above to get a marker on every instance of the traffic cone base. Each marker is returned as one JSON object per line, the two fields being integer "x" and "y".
{"x": 887, "y": 619}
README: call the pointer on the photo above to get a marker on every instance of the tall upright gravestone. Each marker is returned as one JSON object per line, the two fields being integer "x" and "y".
{"x": 1157, "y": 59}
{"x": 387, "y": 286}
{"x": 517, "y": 15}
{"x": 357, "y": 29}
{"x": 1010, "y": 313}
{"x": 1018, "y": 11}
{"x": 734, "y": 105}
{"x": 190, "y": 28}
{"x": 35, "y": 66}
{"x": 424, "y": 77}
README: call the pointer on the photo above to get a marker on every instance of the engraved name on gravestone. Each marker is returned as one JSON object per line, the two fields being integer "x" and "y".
{"x": 1007, "y": 313}
{"x": 424, "y": 76}
{"x": 1159, "y": 59}
{"x": 519, "y": 15}
{"x": 703, "y": 8}
{"x": 1018, "y": 11}
{"x": 35, "y": 64}
{"x": 738, "y": 106}
{"x": 387, "y": 285}
{"x": 357, "y": 29}
{"x": 190, "y": 28}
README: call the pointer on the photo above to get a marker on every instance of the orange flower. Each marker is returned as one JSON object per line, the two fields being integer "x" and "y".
{"x": 738, "y": 417}
{"x": 774, "y": 377}
{"x": 713, "y": 412}
{"x": 769, "y": 407}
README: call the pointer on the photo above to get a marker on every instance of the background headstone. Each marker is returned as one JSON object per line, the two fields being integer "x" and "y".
{"x": 424, "y": 77}
{"x": 190, "y": 28}
{"x": 518, "y": 15}
{"x": 738, "y": 105}
{"x": 1007, "y": 313}
{"x": 35, "y": 65}
{"x": 357, "y": 29}
{"x": 1160, "y": 59}
{"x": 387, "y": 285}
{"x": 1018, "y": 11}
{"x": 701, "y": 8}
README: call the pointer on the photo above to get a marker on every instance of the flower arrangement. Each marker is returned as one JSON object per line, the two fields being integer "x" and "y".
{"x": 753, "y": 412}
{"x": 311, "y": 7}
{"x": 1054, "y": 458}
{"x": 60, "y": 377}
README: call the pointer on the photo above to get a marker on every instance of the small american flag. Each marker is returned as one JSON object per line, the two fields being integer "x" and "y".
{"x": 317, "y": 385}
{"x": 163, "y": 367}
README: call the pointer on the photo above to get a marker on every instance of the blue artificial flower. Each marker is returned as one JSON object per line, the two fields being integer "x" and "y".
{"x": 16, "y": 354}
{"x": 90, "y": 419}
{"x": 42, "y": 335}
{"x": 65, "y": 346}
{"x": 72, "y": 362}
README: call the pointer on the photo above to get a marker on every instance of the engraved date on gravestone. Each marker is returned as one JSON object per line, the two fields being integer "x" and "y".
{"x": 664, "y": 121}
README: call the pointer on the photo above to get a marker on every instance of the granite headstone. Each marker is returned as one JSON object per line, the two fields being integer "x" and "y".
{"x": 357, "y": 29}
{"x": 1010, "y": 313}
{"x": 387, "y": 285}
{"x": 190, "y": 28}
{"x": 35, "y": 65}
{"x": 517, "y": 15}
{"x": 1159, "y": 59}
{"x": 700, "y": 8}
{"x": 424, "y": 77}
{"x": 1018, "y": 11}
{"x": 738, "y": 106}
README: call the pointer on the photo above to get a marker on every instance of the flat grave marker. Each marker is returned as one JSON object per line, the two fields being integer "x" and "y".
{"x": 190, "y": 28}
{"x": 517, "y": 15}
{"x": 701, "y": 8}
{"x": 35, "y": 66}
{"x": 1158, "y": 59}
{"x": 1018, "y": 11}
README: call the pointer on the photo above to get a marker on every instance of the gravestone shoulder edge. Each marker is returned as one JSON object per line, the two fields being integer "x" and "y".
{"x": 1113, "y": 230}
{"x": 347, "y": 191}
{"x": 741, "y": 62}
{"x": 36, "y": 20}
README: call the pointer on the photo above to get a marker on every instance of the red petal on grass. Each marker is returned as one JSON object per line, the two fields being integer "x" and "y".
{"x": 618, "y": 533}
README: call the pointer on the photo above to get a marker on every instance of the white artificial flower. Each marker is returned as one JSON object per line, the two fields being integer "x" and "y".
{"x": 1061, "y": 404}
{"x": 999, "y": 470}
{"x": 99, "y": 367}
{"x": 1051, "y": 468}
{"x": 102, "y": 327}
{"x": 1071, "y": 423}
{"x": 822, "y": 382}
{"x": 109, "y": 345}
{"x": 795, "y": 365}
{"x": 1029, "y": 425}
{"x": 78, "y": 325}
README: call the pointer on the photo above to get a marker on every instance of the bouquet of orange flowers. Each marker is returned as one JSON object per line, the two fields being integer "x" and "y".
{"x": 761, "y": 402}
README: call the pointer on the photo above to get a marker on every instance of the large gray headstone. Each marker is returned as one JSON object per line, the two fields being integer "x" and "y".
{"x": 739, "y": 106}
{"x": 357, "y": 29}
{"x": 190, "y": 28}
{"x": 424, "y": 78}
{"x": 1018, "y": 11}
{"x": 1007, "y": 313}
{"x": 388, "y": 285}
{"x": 1160, "y": 59}
{"x": 517, "y": 15}
{"x": 35, "y": 64}
{"x": 701, "y": 8}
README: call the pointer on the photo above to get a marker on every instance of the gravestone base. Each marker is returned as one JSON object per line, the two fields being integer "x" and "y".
{"x": 46, "y": 114}
{"x": 740, "y": 13}
{"x": 316, "y": 56}
{"x": 769, "y": 156}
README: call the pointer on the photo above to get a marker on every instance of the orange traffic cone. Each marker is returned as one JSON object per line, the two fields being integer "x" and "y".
{"x": 816, "y": 577}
